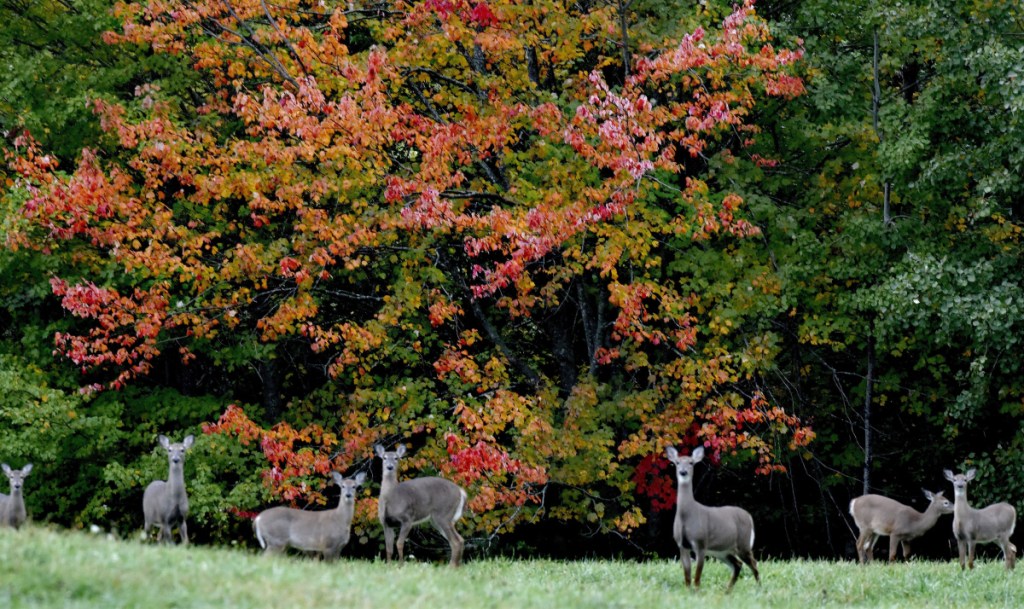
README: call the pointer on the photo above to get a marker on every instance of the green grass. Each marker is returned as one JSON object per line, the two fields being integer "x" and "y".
{"x": 45, "y": 568}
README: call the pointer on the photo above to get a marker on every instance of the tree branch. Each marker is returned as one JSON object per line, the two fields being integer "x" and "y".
{"x": 284, "y": 40}
{"x": 250, "y": 41}
{"x": 499, "y": 342}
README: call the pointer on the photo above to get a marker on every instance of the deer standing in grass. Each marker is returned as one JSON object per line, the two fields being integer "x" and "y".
{"x": 415, "y": 501}
{"x": 726, "y": 532}
{"x": 12, "y": 508}
{"x": 325, "y": 532}
{"x": 972, "y": 526}
{"x": 165, "y": 502}
{"x": 876, "y": 516}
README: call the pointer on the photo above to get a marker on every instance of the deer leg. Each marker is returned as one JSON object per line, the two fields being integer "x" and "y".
{"x": 699, "y": 551}
{"x": 971, "y": 545}
{"x": 183, "y": 529}
{"x": 868, "y": 546}
{"x": 403, "y": 532}
{"x": 905, "y": 544}
{"x": 961, "y": 547}
{"x": 1009, "y": 553}
{"x": 862, "y": 546}
{"x": 736, "y": 567}
{"x": 894, "y": 544}
{"x": 165, "y": 532}
{"x": 455, "y": 540}
{"x": 684, "y": 557}
{"x": 749, "y": 559}
{"x": 389, "y": 542}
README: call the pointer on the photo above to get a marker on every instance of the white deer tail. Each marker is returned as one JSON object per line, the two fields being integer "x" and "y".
{"x": 259, "y": 536}
{"x": 462, "y": 504}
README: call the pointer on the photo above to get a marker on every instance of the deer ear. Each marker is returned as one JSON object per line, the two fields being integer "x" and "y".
{"x": 162, "y": 439}
{"x": 400, "y": 450}
{"x": 948, "y": 474}
{"x": 338, "y": 478}
{"x": 377, "y": 448}
{"x": 187, "y": 442}
{"x": 970, "y": 474}
{"x": 672, "y": 453}
{"x": 25, "y": 470}
{"x": 6, "y": 468}
{"x": 360, "y": 477}
{"x": 928, "y": 494}
{"x": 697, "y": 454}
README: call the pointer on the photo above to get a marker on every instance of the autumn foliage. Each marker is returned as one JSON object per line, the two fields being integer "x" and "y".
{"x": 468, "y": 214}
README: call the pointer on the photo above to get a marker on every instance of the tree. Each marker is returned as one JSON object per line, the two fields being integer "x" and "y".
{"x": 460, "y": 224}
{"x": 55, "y": 64}
{"x": 919, "y": 291}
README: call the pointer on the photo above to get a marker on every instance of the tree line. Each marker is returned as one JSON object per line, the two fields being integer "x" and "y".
{"x": 534, "y": 242}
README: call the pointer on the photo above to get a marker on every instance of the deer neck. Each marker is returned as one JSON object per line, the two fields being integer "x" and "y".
{"x": 176, "y": 480}
{"x": 926, "y": 520}
{"x": 343, "y": 513}
{"x": 960, "y": 504}
{"x": 684, "y": 495}
{"x": 15, "y": 506}
{"x": 388, "y": 482}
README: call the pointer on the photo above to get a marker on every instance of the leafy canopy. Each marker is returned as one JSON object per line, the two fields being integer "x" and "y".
{"x": 473, "y": 216}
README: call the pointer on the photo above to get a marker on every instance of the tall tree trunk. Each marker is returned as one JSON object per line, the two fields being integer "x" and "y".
{"x": 560, "y": 328}
{"x": 868, "y": 395}
{"x": 593, "y": 322}
{"x": 876, "y": 104}
{"x": 624, "y": 36}
{"x": 267, "y": 370}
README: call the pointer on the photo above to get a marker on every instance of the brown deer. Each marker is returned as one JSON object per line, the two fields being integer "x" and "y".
{"x": 325, "y": 532}
{"x": 165, "y": 502}
{"x": 12, "y": 508}
{"x": 725, "y": 533}
{"x": 971, "y": 526}
{"x": 876, "y": 516}
{"x": 415, "y": 501}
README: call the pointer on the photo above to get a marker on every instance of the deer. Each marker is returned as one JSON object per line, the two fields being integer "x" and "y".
{"x": 12, "y": 507}
{"x": 971, "y": 526}
{"x": 725, "y": 532}
{"x": 876, "y": 516}
{"x": 165, "y": 502}
{"x": 324, "y": 532}
{"x": 415, "y": 501}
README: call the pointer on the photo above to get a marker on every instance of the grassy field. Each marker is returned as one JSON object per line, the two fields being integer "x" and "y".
{"x": 44, "y": 568}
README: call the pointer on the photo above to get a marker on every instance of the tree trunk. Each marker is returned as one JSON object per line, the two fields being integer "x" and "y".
{"x": 624, "y": 37}
{"x": 876, "y": 104}
{"x": 267, "y": 370}
{"x": 560, "y": 326}
{"x": 593, "y": 323}
{"x": 868, "y": 395}
{"x": 496, "y": 339}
